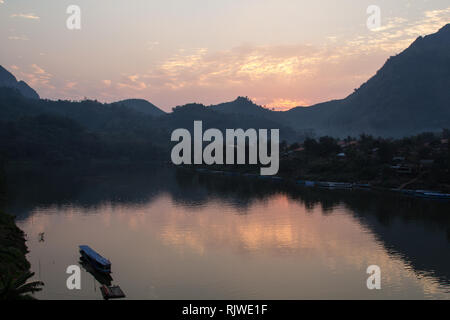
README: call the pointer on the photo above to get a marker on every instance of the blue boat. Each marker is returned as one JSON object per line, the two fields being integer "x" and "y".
{"x": 97, "y": 261}
{"x": 432, "y": 195}
{"x": 310, "y": 183}
{"x": 335, "y": 185}
{"x": 306, "y": 183}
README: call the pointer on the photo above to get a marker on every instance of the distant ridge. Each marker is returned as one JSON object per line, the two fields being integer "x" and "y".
{"x": 242, "y": 105}
{"x": 410, "y": 94}
{"x": 407, "y": 96}
{"x": 143, "y": 106}
{"x": 7, "y": 79}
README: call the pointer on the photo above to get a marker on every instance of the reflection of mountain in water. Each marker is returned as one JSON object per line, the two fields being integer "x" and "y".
{"x": 416, "y": 230}
{"x": 419, "y": 231}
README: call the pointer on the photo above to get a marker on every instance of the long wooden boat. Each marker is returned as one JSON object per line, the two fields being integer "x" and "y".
{"x": 432, "y": 195}
{"x": 100, "y": 263}
{"x": 335, "y": 185}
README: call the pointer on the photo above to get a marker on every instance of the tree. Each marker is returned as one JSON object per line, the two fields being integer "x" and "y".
{"x": 18, "y": 288}
{"x": 328, "y": 146}
{"x": 310, "y": 145}
{"x": 386, "y": 151}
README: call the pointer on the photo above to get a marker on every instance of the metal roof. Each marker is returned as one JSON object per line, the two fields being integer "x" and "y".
{"x": 94, "y": 255}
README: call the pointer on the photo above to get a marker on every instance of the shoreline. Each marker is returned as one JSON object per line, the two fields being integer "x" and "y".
{"x": 13, "y": 248}
{"x": 328, "y": 185}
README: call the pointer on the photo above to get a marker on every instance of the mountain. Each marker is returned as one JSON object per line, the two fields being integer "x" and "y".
{"x": 407, "y": 96}
{"x": 410, "y": 94}
{"x": 10, "y": 81}
{"x": 242, "y": 105}
{"x": 222, "y": 119}
{"x": 143, "y": 106}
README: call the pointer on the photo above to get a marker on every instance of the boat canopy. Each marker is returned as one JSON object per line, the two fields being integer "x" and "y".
{"x": 94, "y": 255}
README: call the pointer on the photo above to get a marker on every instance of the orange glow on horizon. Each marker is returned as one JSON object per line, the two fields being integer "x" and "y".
{"x": 281, "y": 104}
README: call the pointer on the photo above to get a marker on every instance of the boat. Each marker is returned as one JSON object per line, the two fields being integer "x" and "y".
{"x": 335, "y": 185}
{"x": 99, "y": 263}
{"x": 408, "y": 192}
{"x": 432, "y": 195}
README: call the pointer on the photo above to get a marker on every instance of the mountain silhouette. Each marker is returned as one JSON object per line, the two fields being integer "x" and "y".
{"x": 410, "y": 94}
{"x": 222, "y": 119}
{"x": 242, "y": 105}
{"x": 407, "y": 96}
{"x": 8, "y": 80}
{"x": 143, "y": 106}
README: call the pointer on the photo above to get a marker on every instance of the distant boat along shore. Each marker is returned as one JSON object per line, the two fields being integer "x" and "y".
{"x": 424, "y": 194}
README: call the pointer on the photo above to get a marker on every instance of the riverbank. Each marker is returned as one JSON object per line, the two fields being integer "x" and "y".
{"x": 417, "y": 193}
{"x": 13, "y": 250}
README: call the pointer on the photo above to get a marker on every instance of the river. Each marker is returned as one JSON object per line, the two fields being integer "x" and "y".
{"x": 174, "y": 234}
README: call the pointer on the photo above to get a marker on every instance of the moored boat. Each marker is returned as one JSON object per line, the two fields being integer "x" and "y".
{"x": 432, "y": 195}
{"x": 100, "y": 263}
{"x": 335, "y": 185}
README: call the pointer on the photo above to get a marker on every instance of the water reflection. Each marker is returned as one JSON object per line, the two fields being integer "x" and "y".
{"x": 175, "y": 234}
{"x": 102, "y": 278}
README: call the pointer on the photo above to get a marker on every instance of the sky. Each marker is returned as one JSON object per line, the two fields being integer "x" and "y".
{"x": 279, "y": 53}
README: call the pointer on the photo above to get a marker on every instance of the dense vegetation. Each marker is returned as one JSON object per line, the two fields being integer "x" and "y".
{"x": 418, "y": 162}
{"x": 12, "y": 247}
{"x": 62, "y": 132}
{"x": 421, "y": 161}
{"x": 14, "y": 267}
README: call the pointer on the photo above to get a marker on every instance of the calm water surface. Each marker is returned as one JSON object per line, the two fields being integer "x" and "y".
{"x": 176, "y": 235}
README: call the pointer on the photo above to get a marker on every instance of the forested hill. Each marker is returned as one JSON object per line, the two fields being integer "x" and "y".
{"x": 65, "y": 131}
{"x": 68, "y": 131}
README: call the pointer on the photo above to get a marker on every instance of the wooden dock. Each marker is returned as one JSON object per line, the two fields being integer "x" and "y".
{"x": 112, "y": 292}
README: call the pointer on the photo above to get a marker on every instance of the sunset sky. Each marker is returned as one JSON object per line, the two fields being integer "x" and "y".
{"x": 280, "y": 53}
